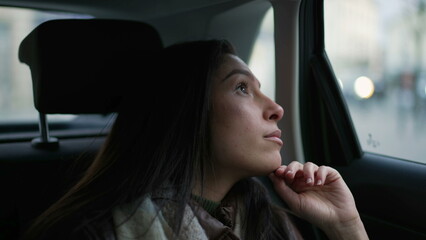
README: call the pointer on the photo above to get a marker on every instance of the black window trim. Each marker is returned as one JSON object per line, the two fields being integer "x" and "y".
{"x": 328, "y": 133}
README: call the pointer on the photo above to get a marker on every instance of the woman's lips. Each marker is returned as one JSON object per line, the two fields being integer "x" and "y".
{"x": 275, "y": 136}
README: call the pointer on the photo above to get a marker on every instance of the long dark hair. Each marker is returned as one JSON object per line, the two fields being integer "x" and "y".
{"x": 161, "y": 137}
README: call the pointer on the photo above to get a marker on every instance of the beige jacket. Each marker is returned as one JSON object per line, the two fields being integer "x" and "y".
{"x": 149, "y": 223}
{"x": 197, "y": 224}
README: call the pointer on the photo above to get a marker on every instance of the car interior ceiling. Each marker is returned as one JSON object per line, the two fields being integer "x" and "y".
{"x": 172, "y": 19}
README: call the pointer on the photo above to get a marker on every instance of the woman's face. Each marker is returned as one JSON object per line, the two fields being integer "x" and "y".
{"x": 245, "y": 136}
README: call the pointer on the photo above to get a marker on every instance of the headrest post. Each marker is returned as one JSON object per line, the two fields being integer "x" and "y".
{"x": 44, "y": 141}
{"x": 43, "y": 127}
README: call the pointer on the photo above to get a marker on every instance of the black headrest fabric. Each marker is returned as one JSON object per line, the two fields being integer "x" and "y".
{"x": 87, "y": 65}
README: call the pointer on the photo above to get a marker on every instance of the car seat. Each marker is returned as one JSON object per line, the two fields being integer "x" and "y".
{"x": 79, "y": 66}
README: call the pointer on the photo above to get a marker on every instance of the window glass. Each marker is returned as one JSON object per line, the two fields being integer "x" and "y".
{"x": 262, "y": 59}
{"x": 378, "y": 52}
{"x": 16, "y": 98}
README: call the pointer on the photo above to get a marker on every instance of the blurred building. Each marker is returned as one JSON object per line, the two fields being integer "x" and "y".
{"x": 352, "y": 39}
{"x": 406, "y": 33}
{"x": 15, "y": 79}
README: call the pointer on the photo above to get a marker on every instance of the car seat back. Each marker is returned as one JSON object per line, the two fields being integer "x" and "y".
{"x": 83, "y": 66}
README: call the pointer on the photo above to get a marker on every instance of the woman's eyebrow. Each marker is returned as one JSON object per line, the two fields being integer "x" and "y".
{"x": 239, "y": 71}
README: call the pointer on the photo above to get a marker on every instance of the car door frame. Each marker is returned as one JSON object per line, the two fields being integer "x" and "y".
{"x": 388, "y": 191}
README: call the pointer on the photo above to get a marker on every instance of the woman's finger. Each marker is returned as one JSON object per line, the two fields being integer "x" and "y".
{"x": 293, "y": 170}
{"x": 309, "y": 170}
{"x": 280, "y": 172}
{"x": 285, "y": 192}
{"x": 321, "y": 175}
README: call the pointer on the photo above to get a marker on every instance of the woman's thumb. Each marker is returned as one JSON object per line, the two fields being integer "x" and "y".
{"x": 285, "y": 192}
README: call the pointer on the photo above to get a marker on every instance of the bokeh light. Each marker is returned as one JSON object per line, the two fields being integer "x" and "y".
{"x": 364, "y": 87}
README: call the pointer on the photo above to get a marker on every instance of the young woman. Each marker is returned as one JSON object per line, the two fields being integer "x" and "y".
{"x": 179, "y": 161}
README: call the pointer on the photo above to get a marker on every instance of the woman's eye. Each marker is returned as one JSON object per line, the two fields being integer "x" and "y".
{"x": 242, "y": 87}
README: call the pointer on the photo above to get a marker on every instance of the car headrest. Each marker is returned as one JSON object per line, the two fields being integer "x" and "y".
{"x": 87, "y": 65}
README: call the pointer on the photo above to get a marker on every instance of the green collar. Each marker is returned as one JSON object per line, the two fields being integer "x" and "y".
{"x": 208, "y": 205}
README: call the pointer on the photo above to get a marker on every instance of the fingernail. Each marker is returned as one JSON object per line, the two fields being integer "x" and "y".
{"x": 309, "y": 180}
{"x": 289, "y": 172}
{"x": 319, "y": 182}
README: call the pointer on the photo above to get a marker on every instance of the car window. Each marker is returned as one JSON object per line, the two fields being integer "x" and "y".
{"x": 262, "y": 59}
{"x": 378, "y": 52}
{"x": 16, "y": 98}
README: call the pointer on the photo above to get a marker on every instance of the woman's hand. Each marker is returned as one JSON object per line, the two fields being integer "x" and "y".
{"x": 320, "y": 196}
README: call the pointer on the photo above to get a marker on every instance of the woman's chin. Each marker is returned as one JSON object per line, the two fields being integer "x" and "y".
{"x": 277, "y": 161}
{"x": 274, "y": 163}
{"x": 275, "y": 167}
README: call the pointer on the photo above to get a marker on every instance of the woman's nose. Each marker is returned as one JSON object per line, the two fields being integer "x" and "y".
{"x": 273, "y": 111}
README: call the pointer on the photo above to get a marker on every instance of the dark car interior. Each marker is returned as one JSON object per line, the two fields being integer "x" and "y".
{"x": 85, "y": 66}
{"x": 90, "y": 68}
